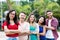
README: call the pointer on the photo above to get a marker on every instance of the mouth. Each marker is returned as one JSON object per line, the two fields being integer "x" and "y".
{"x": 22, "y": 18}
{"x": 12, "y": 16}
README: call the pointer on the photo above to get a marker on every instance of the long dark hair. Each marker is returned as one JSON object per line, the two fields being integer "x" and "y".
{"x": 44, "y": 20}
{"x": 8, "y": 18}
{"x": 28, "y": 20}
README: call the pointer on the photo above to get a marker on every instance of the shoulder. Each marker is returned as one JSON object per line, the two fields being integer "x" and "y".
{"x": 46, "y": 20}
{"x": 5, "y": 22}
{"x": 55, "y": 19}
{"x": 45, "y": 26}
{"x": 37, "y": 24}
{"x": 26, "y": 22}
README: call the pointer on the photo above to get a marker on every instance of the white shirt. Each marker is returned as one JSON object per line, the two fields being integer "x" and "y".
{"x": 49, "y": 33}
{"x": 24, "y": 28}
{"x": 37, "y": 28}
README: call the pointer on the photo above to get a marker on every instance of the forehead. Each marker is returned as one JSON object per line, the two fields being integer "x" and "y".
{"x": 49, "y": 12}
{"x": 41, "y": 17}
{"x": 32, "y": 16}
{"x": 13, "y": 12}
{"x": 22, "y": 14}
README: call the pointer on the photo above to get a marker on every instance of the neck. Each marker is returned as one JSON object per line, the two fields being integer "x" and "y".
{"x": 21, "y": 21}
{"x": 11, "y": 20}
{"x": 31, "y": 22}
{"x": 40, "y": 24}
{"x": 50, "y": 17}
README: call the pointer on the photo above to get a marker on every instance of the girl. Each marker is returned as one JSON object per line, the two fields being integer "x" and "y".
{"x": 10, "y": 26}
{"x": 33, "y": 28}
{"x": 42, "y": 28}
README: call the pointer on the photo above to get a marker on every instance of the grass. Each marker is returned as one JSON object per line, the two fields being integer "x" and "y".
{"x": 58, "y": 30}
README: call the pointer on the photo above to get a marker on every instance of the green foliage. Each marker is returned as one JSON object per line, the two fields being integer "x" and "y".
{"x": 4, "y": 6}
{"x": 58, "y": 1}
{"x": 25, "y": 8}
{"x": 41, "y": 5}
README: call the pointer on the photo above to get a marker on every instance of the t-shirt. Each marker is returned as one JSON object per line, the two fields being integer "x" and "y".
{"x": 10, "y": 27}
{"x": 24, "y": 28}
{"x": 49, "y": 33}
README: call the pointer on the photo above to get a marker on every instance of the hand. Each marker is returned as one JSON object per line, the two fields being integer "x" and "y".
{"x": 50, "y": 28}
{"x": 34, "y": 33}
{"x": 6, "y": 30}
{"x": 38, "y": 34}
{"x": 9, "y": 33}
{"x": 46, "y": 26}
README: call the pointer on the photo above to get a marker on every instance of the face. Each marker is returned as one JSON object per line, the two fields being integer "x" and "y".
{"x": 41, "y": 20}
{"x": 22, "y": 16}
{"x": 49, "y": 14}
{"x": 32, "y": 18}
{"x": 12, "y": 15}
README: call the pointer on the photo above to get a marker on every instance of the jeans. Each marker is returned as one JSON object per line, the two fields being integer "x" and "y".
{"x": 12, "y": 38}
{"x": 49, "y": 39}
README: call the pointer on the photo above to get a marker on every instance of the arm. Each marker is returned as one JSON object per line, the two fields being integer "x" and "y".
{"x": 44, "y": 31}
{"x": 6, "y": 30}
{"x": 37, "y": 29}
{"x": 26, "y": 31}
{"x": 10, "y": 31}
{"x": 51, "y": 28}
{"x": 16, "y": 31}
{"x": 4, "y": 26}
{"x": 54, "y": 25}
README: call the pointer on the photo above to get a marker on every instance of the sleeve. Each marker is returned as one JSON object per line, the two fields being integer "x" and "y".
{"x": 4, "y": 24}
{"x": 27, "y": 27}
{"x": 55, "y": 23}
{"x": 37, "y": 28}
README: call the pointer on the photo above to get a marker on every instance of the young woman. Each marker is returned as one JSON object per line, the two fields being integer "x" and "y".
{"x": 33, "y": 28}
{"x": 42, "y": 28}
{"x": 10, "y": 26}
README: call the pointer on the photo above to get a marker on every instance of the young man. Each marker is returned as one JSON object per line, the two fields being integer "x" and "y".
{"x": 24, "y": 27}
{"x": 52, "y": 24}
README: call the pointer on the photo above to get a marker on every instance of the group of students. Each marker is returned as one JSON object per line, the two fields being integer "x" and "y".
{"x": 30, "y": 29}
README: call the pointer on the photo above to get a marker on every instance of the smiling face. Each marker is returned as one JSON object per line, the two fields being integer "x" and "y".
{"x": 32, "y": 18}
{"x": 12, "y": 15}
{"x": 41, "y": 20}
{"x": 22, "y": 16}
{"x": 49, "y": 14}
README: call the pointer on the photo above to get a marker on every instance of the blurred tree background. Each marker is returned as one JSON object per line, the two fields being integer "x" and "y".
{"x": 33, "y": 6}
{"x": 38, "y": 7}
